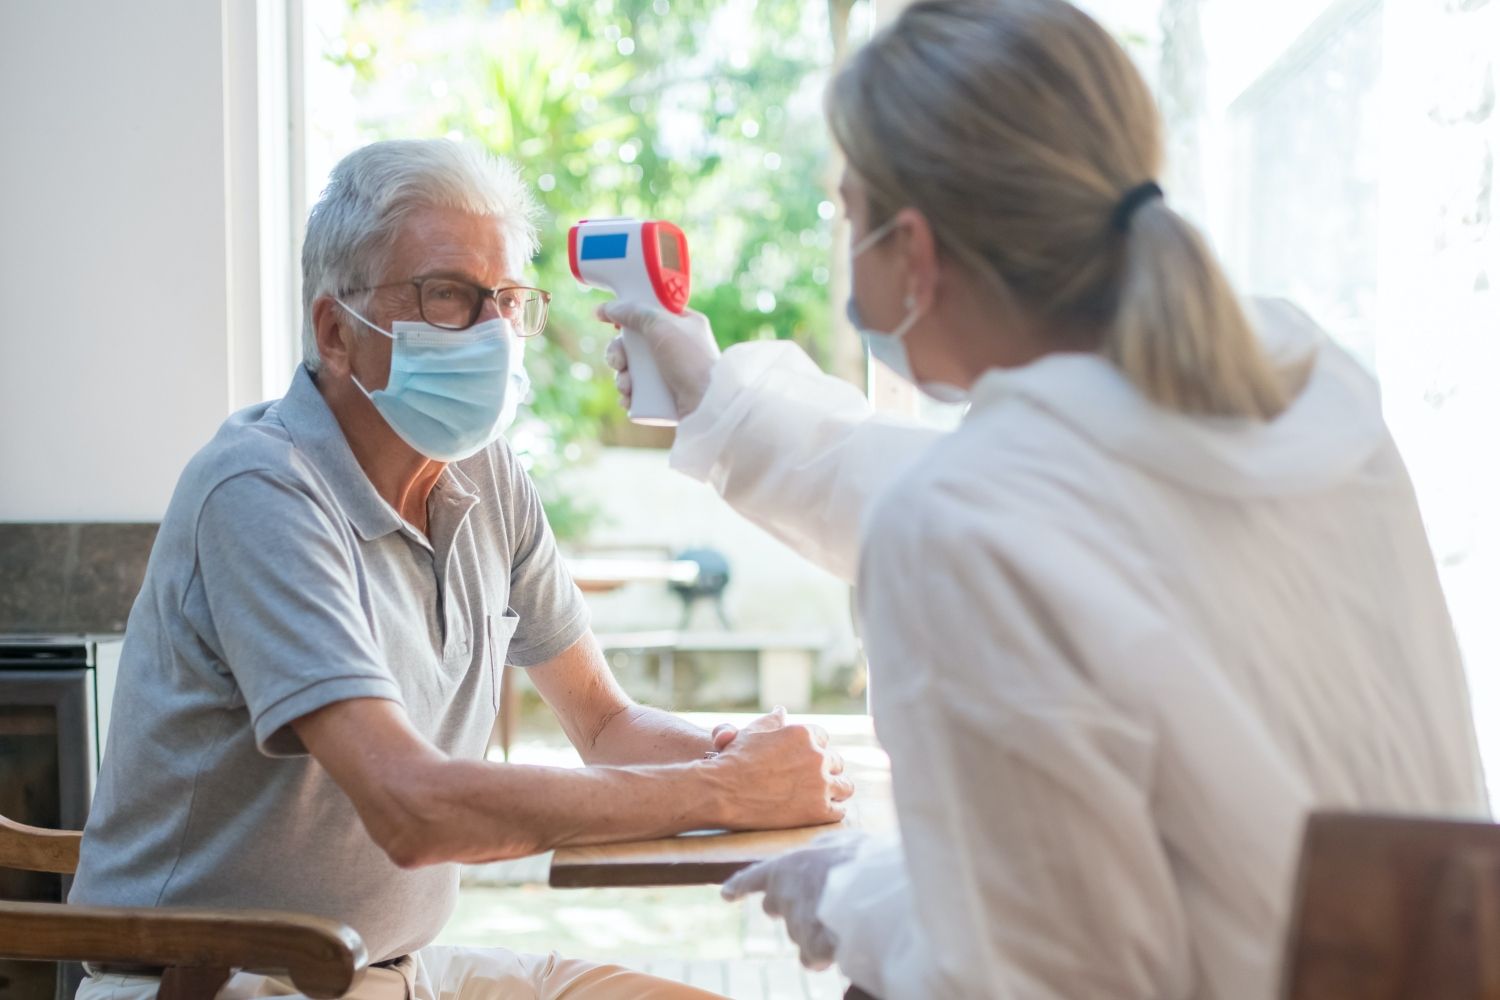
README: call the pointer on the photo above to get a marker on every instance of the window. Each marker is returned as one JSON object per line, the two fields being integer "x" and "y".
{"x": 1340, "y": 153}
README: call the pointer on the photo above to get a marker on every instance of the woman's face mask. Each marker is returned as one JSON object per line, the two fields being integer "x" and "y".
{"x": 451, "y": 392}
{"x": 890, "y": 348}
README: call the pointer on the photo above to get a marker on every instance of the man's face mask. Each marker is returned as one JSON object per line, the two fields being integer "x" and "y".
{"x": 451, "y": 392}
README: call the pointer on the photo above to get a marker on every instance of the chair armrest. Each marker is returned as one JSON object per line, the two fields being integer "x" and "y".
{"x": 32, "y": 849}
{"x": 323, "y": 958}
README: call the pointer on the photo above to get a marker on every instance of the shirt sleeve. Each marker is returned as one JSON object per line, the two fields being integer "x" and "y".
{"x": 867, "y": 903}
{"x": 281, "y": 589}
{"x": 1031, "y": 863}
{"x": 551, "y": 611}
{"x": 795, "y": 450}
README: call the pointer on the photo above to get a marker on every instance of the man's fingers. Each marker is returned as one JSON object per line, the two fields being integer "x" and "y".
{"x": 724, "y": 734}
{"x": 819, "y": 734}
{"x": 772, "y": 720}
{"x": 834, "y": 761}
{"x": 841, "y": 788}
{"x": 623, "y": 383}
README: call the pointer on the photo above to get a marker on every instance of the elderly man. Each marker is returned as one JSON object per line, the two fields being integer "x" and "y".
{"x": 313, "y": 666}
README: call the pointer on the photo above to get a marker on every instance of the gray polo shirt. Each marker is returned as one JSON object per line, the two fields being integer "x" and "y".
{"x": 281, "y": 582}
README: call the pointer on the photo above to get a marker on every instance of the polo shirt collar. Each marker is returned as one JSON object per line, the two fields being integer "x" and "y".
{"x": 455, "y": 492}
{"x": 317, "y": 434}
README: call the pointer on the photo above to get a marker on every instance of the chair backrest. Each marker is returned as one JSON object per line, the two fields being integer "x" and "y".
{"x": 195, "y": 948}
{"x": 1394, "y": 907}
{"x": 31, "y": 849}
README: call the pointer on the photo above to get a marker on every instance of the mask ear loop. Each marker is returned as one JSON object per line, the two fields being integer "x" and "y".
{"x": 353, "y": 377}
{"x": 870, "y": 239}
{"x": 351, "y": 311}
{"x": 913, "y": 314}
{"x": 873, "y": 237}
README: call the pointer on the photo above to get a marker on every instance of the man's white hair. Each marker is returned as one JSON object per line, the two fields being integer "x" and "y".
{"x": 352, "y": 228}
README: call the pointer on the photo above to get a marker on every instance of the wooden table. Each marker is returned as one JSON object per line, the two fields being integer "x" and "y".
{"x": 711, "y": 857}
{"x": 707, "y": 858}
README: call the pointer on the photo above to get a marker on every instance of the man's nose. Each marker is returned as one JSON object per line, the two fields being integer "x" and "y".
{"x": 489, "y": 310}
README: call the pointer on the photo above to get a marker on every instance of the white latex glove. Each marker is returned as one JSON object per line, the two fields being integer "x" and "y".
{"x": 793, "y": 884}
{"x": 683, "y": 347}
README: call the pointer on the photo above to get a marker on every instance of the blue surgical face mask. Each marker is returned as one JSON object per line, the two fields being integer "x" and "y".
{"x": 450, "y": 392}
{"x": 887, "y": 348}
{"x": 515, "y": 395}
{"x": 890, "y": 348}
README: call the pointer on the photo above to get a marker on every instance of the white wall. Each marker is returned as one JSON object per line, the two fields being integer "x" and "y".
{"x": 115, "y": 318}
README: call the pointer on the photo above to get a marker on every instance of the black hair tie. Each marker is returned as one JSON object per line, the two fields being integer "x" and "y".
{"x": 1133, "y": 199}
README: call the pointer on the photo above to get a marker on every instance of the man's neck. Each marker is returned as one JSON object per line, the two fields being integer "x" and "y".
{"x": 403, "y": 477}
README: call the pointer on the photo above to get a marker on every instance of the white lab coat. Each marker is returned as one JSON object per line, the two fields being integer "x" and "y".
{"x": 1117, "y": 654}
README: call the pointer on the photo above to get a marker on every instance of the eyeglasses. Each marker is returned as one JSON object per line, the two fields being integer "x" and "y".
{"x": 455, "y": 304}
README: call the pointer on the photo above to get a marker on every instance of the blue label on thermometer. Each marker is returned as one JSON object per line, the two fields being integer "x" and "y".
{"x": 604, "y": 247}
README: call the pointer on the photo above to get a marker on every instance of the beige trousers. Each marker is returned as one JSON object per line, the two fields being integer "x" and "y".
{"x": 442, "y": 973}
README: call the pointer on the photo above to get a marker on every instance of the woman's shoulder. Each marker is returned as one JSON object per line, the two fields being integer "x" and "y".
{"x": 1014, "y": 450}
{"x": 1018, "y": 468}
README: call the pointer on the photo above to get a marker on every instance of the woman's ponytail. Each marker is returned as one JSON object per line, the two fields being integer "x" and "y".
{"x": 1179, "y": 332}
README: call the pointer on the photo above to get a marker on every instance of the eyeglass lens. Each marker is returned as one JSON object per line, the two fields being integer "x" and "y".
{"x": 456, "y": 305}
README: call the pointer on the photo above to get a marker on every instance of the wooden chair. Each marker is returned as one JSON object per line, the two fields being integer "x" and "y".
{"x": 195, "y": 950}
{"x": 1394, "y": 907}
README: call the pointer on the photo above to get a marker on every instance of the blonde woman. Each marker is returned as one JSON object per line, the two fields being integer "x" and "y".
{"x": 1163, "y": 592}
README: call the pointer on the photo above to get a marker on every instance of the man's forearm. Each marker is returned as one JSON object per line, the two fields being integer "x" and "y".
{"x": 475, "y": 811}
{"x": 601, "y": 720}
{"x": 423, "y": 807}
{"x": 636, "y": 734}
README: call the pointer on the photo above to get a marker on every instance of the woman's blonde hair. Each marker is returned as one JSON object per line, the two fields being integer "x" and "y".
{"x": 1016, "y": 127}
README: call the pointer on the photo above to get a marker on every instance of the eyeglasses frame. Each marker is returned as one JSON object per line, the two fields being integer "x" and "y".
{"x": 488, "y": 294}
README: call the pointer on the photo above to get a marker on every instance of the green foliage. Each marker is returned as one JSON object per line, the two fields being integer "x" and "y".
{"x": 706, "y": 113}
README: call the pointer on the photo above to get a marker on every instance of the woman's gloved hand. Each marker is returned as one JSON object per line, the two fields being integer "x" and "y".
{"x": 683, "y": 347}
{"x": 793, "y": 884}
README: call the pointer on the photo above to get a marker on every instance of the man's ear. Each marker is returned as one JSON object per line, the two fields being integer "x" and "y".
{"x": 331, "y": 327}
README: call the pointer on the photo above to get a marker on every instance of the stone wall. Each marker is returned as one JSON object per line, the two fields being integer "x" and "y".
{"x": 71, "y": 577}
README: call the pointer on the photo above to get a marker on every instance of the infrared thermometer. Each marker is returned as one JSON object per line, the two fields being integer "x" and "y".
{"x": 644, "y": 262}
